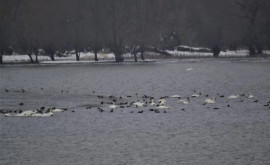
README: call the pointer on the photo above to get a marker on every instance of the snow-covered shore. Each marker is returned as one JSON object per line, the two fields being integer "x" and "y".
{"x": 88, "y": 57}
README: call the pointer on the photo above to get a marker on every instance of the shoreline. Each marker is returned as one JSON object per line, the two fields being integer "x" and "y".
{"x": 131, "y": 61}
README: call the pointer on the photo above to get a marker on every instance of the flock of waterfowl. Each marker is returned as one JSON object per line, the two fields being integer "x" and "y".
{"x": 137, "y": 104}
{"x": 158, "y": 105}
{"x": 41, "y": 112}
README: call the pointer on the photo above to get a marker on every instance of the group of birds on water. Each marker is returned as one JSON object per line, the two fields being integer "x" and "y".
{"x": 41, "y": 112}
{"x": 159, "y": 105}
{"x": 110, "y": 103}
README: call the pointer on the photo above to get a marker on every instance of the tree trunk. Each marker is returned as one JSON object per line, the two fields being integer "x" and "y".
{"x": 216, "y": 50}
{"x": 31, "y": 59}
{"x": 96, "y": 58}
{"x": 142, "y": 55}
{"x": 259, "y": 49}
{"x": 52, "y": 57}
{"x": 142, "y": 52}
{"x": 77, "y": 55}
{"x": 36, "y": 58}
{"x": 252, "y": 50}
{"x": 135, "y": 56}
{"x": 119, "y": 57}
{"x": 1, "y": 58}
{"x": 134, "y": 52}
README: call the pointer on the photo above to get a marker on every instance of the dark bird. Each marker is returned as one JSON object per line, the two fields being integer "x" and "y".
{"x": 101, "y": 102}
{"x": 100, "y": 110}
{"x": 216, "y": 108}
{"x": 39, "y": 111}
{"x": 228, "y": 105}
{"x": 6, "y": 90}
{"x": 21, "y": 104}
{"x": 183, "y": 109}
{"x": 165, "y": 112}
{"x": 140, "y": 111}
{"x": 256, "y": 101}
{"x": 23, "y": 90}
{"x": 157, "y": 111}
{"x": 111, "y": 110}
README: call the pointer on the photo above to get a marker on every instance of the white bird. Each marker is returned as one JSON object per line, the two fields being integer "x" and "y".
{"x": 42, "y": 114}
{"x": 210, "y": 101}
{"x": 26, "y": 113}
{"x": 113, "y": 106}
{"x": 163, "y": 107}
{"x": 7, "y": 114}
{"x": 152, "y": 102}
{"x": 250, "y": 96}
{"x": 234, "y": 97}
{"x": 139, "y": 104}
{"x": 189, "y": 69}
{"x": 197, "y": 95}
{"x": 58, "y": 110}
{"x": 176, "y": 96}
{"x": 184, "y": 101}
{"x": 162, "y": 101}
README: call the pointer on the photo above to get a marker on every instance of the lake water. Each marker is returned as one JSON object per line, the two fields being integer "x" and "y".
{"x": 186, "y": 134}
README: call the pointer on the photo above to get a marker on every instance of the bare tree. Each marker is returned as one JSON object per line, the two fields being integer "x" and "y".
{"x": 8, "y": 13}
{"x": 257, "y": 16}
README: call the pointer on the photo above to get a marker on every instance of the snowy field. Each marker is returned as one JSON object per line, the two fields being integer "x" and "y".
{"x": 230, "y": 131}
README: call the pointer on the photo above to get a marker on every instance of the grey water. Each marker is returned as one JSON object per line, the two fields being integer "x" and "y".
{"x": 186, "y": 134}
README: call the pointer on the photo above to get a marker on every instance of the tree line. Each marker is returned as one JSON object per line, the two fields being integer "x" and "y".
{"x": 135, "y": 26}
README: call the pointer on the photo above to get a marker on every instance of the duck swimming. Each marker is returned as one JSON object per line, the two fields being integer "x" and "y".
{"x": 197, "y": 95}
{"x": 185, "y": 101}
{"x": 175, "y": 96}
{"x": 163, "y": 107}
{"x": 152, "y": 102}
{"x": 113, "y": 106}
{"x": 210, "y": 101}
{"x": 58, "y": 110}
{"x": 234, "y": 97}
{"x": 139, "y": 104}
{"x": 26, "y": 113}
{"x": 250, "y": 96}
{"x": 162, "y": 101}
